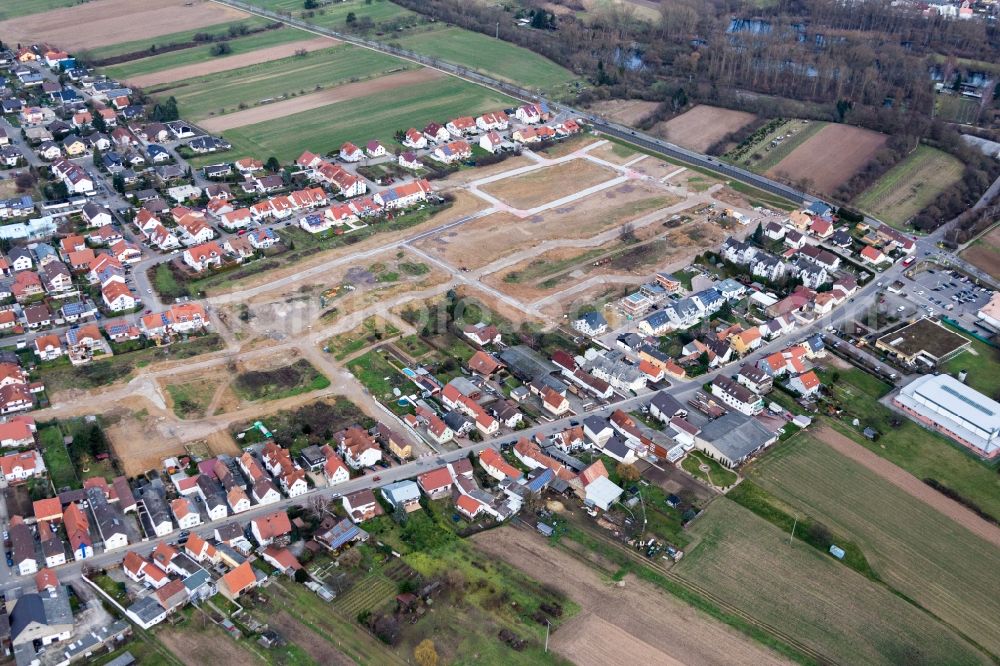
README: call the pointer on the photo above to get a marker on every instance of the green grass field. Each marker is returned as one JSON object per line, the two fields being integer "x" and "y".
{"x": 373, "y": 117}
{"x": 334, "y": 15}
{"x": 219, "y": 29}
{"x": 911, "y": 546}
{"x": 910, "y": 186}
{"x": 983, "y": 367}
{"x": 215, "y": 94}
{"x": 748, "y": 562}
{"x": 14, "y": 8}
{"x": 922, "y": 453}
{"x": 201, "y": 53}
{"x": 497, "y": 58}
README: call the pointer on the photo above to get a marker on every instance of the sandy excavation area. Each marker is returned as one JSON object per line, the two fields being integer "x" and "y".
{"x": 604, "y": 631}
{"x": 259, "y": 114}
{"x": 216, "y": 65}
{"x": 102, "y": 22}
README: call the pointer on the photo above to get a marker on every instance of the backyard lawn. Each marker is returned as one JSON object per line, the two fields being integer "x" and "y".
{"x": 56, "y": 458}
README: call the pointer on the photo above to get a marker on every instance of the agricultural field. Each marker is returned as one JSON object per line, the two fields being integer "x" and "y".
{"x": 216, "y": 32}
{"x": 493, "y": 57}
{"x": 543, "y": 185}
{"x": 773, "y": 142}
{"x": 183, "y": 64}
{"x": 376, "y": 116}
{"x": 88, "y": 25}
{"x": 984, "y": 252}
{"x": 702, "y": 126}
{"x": 922, "y": 453}
{"x": 25, "y": 7}
{"x": 909, "y": 545}
{"x": 910, "y": 186}
{"x": 191, "y": 399}
{"x": 749, "y": 563}
{"x": 334, "y": 15}
{"x": 221, "y": 93}
{"x": 823, "y": 170}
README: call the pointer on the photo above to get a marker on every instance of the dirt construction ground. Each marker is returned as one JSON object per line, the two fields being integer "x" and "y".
{"x": 476, "y": 243}
{"x": 825, "y": 168}
{"x": 544, "y": 185}
{"x": 604, "y": 632}
{"x": 343, "y": 93}
{"x": 102, "y": 22}
{"x": 985, "y": 253}
{"x": 624, "y": 111}
{"x": 702, "y": 126}
{"x": 225, "y": 64}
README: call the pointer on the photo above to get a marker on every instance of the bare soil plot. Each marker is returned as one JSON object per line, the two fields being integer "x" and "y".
{"x": 208, "y": 645}
{"x": 342, "y": 93}
{"x": 314, "y": 645}
{"x": 624, "y": 111}
{"x": 487, "y": 239}
{"x": 465, "y": 176}
{"x": 549, "y": 183}
{"x": 216, "y": 65}
{"x": 807, "y": 594}
{"x": 985, "y": 253}
{"x": 93, "y": 24}
{"x": 702, "y": 126}
{"x": 616, "y": 153}
{"x": 605, "y": 630}
{"x": 555, "y": 270}
{"x": 829, "y": 157}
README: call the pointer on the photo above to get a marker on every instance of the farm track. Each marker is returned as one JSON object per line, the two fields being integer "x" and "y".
{"x": 664, "y": 571}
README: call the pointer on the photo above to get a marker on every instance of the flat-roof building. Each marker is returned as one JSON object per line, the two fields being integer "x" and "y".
{"x": 955, "y": 410}
{"x": 924, "y": 341}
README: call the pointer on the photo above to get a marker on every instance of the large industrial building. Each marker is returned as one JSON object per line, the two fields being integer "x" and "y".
{"x": 955, "y": 410}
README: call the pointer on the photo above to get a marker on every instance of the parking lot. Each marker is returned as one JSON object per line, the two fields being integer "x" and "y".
{"x": 949, "y": 293}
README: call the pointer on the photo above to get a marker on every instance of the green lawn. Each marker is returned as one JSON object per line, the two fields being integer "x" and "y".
{"x": 218, "y": 29}
{"x": 911, "y": 546}
{"x": 494, "y": 57}
{"x": 380, "y": 377}
{"x": 983, "y": 365}
{"x": 372, "y": 117}
{"x": 371, "y": 331}
{"x": 334, "y": 15}
{"x": 202, "y": 53}
{"x": 191, "y": 399}
{"x": 910, "y": 186}
{"x": 717, "y": 475}
{"x": 57, "y": 459}
{"x": 14, "y": 8}
{"x": 224, "y": 92}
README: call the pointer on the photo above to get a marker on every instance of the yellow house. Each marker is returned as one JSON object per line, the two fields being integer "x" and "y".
{"x": 799, "y": 220}
{"x": 75, "y": 147}
{"x": 393, "y": 441}
{"x": 745, "y": 341}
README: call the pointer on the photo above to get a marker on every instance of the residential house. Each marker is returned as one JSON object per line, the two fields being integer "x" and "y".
{"x": 737, "y": 396}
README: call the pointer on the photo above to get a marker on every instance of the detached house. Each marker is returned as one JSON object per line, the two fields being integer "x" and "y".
{"x": 414, "y": 139}
{"x": 358, "y": 448}
{"x": 351, "y": 153}
{"x": 204, "y": 256}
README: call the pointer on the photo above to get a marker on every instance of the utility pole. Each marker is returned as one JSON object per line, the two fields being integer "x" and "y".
{"x": 547, "y": 626}
{"x": 498, "y": 29}
{"x": 796, "y": 522}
